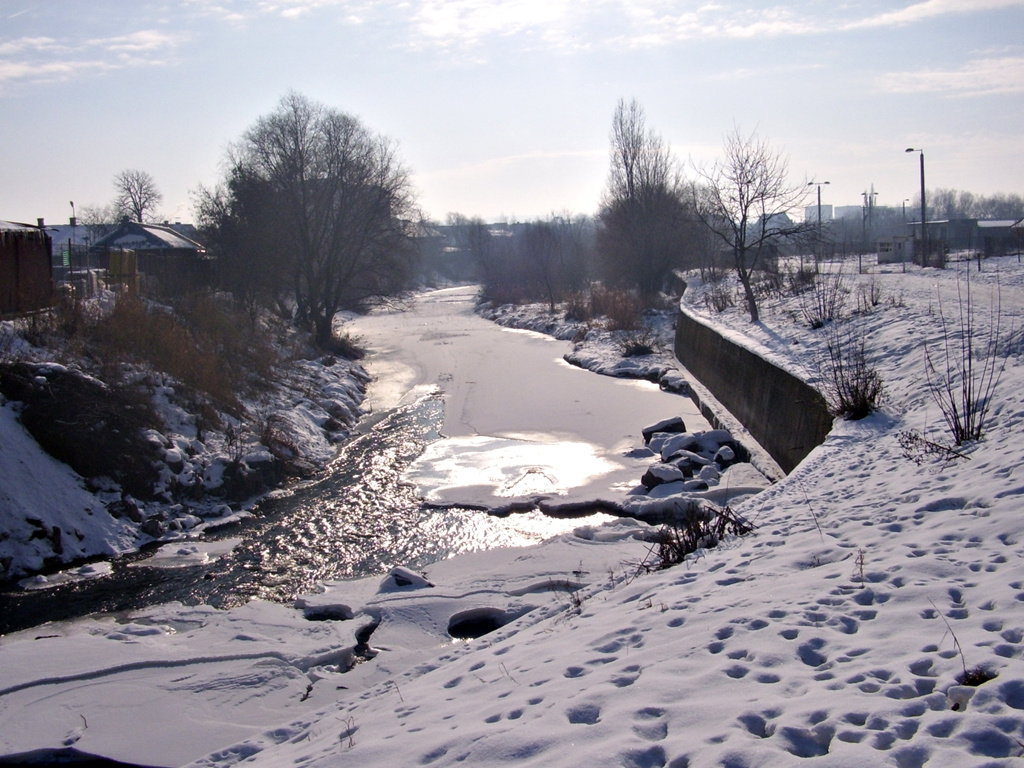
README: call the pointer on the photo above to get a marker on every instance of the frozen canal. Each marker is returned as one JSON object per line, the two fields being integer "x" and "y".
{"x": 520, "y": 424}
{"x": 467, "y": 414}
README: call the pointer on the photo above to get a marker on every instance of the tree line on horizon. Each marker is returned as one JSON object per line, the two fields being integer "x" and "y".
{"x": 315, "y": 213}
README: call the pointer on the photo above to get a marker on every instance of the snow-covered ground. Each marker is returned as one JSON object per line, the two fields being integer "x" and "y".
{"x": 835, "y": 633}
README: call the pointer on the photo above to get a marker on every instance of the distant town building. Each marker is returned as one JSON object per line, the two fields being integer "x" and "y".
{"x": 811, "y": 213}
{"x": 847, "y": 212}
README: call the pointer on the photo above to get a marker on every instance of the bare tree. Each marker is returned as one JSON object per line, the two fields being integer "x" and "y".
{"x": 744, "y": 200}
{"x": 644, "y": 221}
{"x": 329, "y": 206}
{"x": 999, "y": 206}
{"x": 137, "y": 195}
{"x": 99, "y": 220}
{"x": 961, "y": 204}
{"x": 951, "y": 203}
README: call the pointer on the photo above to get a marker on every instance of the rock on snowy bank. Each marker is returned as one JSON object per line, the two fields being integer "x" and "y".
{"x": 711, "y": 466}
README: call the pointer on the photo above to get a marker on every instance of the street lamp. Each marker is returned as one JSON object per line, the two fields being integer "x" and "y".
{"x": 74, "y": 232}
{"x": 865, "y": 221}
{"x": 924, "y": 211}
{"x": 905, "y": 201}
{"x": 817, "y": 184}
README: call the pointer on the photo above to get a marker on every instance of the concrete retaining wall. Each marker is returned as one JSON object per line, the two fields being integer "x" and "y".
{"x": 786, "y": 416}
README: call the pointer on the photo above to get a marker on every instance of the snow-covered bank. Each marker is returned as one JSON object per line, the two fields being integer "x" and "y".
{"x": 207, "y": 469}
{"x": 833, "y": 634}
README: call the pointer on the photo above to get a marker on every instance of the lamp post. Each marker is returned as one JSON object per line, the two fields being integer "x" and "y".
{"x": 905, "y": 201}
{"x": 924, "y": 211}
{"x": 866, "y": 222}
{"x": 74, "y": 232}
{"x": 817, "y": 184}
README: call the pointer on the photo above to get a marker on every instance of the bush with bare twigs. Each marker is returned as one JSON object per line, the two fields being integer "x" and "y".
{"x": 700, "y": 526}
{"x": 637, "y": 343}
{"x": 853, "y": 386}
{"x": 964, "y": 371}
{"x": 623, "y": 309}
{"x": 719, "y": 298}
{"x": 825, "y": 301}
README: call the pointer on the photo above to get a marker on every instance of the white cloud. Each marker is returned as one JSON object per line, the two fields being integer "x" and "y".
{"x": 980, "y": 77}
{"x": 239, "y": 11}
{"x": 45, "y": 59}
{"x": 55, "y": 70}
{"x": 930, "y": 9}
{"x": 468, "y": 22}
{"x": 138, "y": 42}
{"x": 655, "y": 23}
{"x": 23, "y": 44}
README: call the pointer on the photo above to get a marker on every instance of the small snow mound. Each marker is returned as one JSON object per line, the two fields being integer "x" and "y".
{"x": 403, "y": 578}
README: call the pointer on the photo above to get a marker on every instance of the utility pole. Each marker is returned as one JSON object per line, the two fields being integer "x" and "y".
{"x": 924, "y": 212}
{"x": 817, "y": 256}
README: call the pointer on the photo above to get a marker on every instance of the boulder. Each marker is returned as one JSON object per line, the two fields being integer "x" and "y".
{"x": 673, "y": 381}
{"x": 678, "y": 444}
{"x": 672, "y": 425}
{"x": 714, "y": 439}
{"x": 658, "y": 474}
{"x": 403, "y": 578}
{"x": 688, "y": 458}
{"x": 709, "y": 474}
{"x": 725, "y": 457}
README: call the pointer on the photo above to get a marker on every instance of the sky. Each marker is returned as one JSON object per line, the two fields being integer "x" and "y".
{"x": 502, "y": 108}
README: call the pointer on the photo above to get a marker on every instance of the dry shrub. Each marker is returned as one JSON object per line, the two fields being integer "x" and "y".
{"x": 8, "y": 344}
{"x": 643, "y": 341}
{"x": 499, "y": 294}
{"x": 94, "y": 428}
{"x": 623, "y": 309}
{"x": 699, "y": 526}
{"x": 207, "y": 349}
{"x": 826, "y": 300}
{"x": 769, "y": 281}
{"x": 869, "y": 295}
{"x": 801, "y": 279}
{"x": 346, "y": 346}
{"x": 964, "y": 372}
{"x": 854, "y": 386}
{"x": 719, "y": 298}
{"x": 245, "y": 348}
{"x": 578, "y": 307}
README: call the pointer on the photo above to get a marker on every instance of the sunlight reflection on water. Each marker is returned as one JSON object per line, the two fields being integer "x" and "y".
{"x": 366, "y": 517}
{"x": 360, "y": 519}
{"x": 505, "y": 467}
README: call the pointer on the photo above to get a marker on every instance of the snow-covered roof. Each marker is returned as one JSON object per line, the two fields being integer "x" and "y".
{"x": 9, "y": 226}
{"x": 147, "y": 237}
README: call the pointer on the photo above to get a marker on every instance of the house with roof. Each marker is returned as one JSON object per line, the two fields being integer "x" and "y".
{"x": 26, "y": 272}
{"x": 169, "y": 262}
{"x": 996, "y": 237}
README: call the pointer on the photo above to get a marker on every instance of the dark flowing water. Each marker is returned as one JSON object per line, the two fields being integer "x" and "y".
{"x": 358, "y": 520}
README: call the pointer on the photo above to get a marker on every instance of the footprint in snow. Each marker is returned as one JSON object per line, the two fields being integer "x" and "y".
{"x": 649, "y": 724}
{"x": 583, "y": 714}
